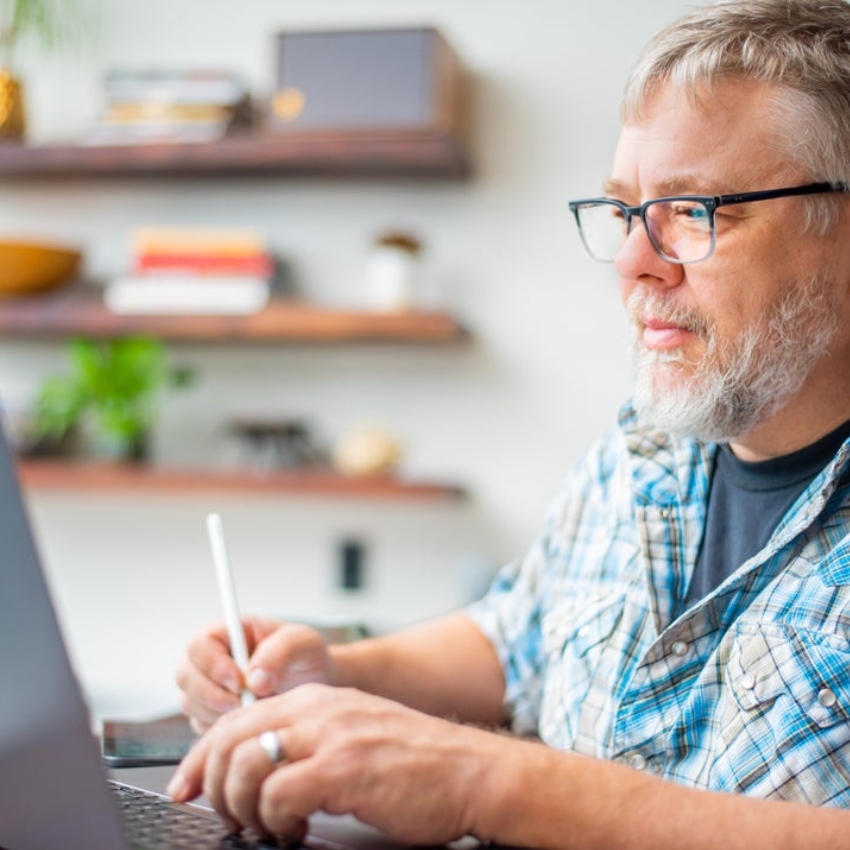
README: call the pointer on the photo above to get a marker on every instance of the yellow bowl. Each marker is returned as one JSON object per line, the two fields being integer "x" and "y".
{"x": 30, "y": 267}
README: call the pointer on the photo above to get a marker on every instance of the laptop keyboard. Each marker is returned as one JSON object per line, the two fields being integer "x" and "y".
{"x": 152, "y": 821}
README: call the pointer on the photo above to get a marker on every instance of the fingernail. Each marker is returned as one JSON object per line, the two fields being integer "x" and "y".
{"x": 232, "y": 685}
{"x": 259, "y": 681}
{"x": 178, "y": 787}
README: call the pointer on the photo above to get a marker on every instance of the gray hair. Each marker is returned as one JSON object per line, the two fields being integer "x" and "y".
{"x": 801, "y": 47}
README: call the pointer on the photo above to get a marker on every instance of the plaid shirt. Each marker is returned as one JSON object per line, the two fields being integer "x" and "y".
{"x": 746, "y": 691}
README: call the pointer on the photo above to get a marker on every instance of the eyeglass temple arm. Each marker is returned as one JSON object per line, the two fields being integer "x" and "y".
{"x": 767, "y": 194}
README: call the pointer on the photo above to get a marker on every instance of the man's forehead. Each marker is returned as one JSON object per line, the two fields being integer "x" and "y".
{"x": 675, "y": 184}
{"x": 722, "y": 141}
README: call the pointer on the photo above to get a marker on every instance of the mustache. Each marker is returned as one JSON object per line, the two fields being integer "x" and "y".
{"x": 643, "y": 304}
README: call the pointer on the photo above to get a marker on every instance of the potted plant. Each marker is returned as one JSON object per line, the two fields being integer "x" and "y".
{"x": 112, "y": 390}
{"x": 48, "y": 22}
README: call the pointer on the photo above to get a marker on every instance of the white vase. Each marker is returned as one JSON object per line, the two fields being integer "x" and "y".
{"x": 391, "y": 278}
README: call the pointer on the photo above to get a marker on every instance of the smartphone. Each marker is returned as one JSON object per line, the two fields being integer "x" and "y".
{"x": 141, "y": 744}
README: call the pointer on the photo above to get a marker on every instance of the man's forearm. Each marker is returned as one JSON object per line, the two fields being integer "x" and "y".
{"x": 446, "y": 668}
{"x": 538, "y": 797}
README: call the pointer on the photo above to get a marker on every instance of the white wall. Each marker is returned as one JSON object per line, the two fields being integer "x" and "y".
{"x": 506, "y": 415}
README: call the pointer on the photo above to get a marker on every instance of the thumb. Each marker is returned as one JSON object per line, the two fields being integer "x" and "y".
{"x": 291, "y": 656}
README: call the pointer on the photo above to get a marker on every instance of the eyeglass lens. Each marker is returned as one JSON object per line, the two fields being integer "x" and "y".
{"x": 679, "y": 230}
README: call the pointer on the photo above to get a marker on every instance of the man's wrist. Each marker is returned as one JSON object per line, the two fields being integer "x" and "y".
{"x": 350, "y": 663}
{"x": 503, "y": 787}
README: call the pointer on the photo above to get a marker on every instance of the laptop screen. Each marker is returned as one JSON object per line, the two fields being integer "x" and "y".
{"x": 52, "y": 786}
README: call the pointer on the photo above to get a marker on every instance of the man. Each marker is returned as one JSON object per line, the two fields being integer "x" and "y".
{"x": 682, "y": 626}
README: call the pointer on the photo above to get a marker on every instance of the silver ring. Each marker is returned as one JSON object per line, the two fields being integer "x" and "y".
{"x": 271, "y": 746}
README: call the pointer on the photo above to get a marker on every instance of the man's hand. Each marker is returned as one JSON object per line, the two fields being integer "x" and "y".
{"x": 343, "y": 751}
{"x": 282, "y": 656}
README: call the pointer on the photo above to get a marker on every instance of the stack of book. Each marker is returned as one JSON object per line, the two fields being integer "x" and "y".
{"x": 169, "y": 106}
{"x": 194, "y": 271}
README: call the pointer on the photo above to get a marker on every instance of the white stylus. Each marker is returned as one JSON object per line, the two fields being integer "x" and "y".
{"x": 227, "y": 591}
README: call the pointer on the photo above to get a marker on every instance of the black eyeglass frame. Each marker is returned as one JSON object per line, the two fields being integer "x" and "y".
{"x": 710, "y": 202}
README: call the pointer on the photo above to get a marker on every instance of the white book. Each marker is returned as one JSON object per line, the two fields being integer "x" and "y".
{"x": 105, "y": 134}
{"x": 186, "y": 295}
{"x": 173, "y": 86}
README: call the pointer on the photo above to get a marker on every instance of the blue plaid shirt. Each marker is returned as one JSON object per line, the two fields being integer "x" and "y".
{"x": 746, "y": 691}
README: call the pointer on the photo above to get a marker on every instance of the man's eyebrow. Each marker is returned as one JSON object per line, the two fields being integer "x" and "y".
{"x": 613, "y": 189}
{"x": 681, "y": 185}
{"x": 688, "y": 185}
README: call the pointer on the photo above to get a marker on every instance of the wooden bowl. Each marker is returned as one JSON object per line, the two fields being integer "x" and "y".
{"x": 31, "y": 267}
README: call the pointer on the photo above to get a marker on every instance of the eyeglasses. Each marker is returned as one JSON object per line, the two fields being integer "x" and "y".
{"x": 680, "y": 228}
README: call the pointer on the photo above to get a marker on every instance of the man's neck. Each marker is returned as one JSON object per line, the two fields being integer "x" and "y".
{"x": 811, "y": 415}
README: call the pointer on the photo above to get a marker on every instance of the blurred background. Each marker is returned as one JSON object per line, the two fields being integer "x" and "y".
{"x": 500, "y": 414}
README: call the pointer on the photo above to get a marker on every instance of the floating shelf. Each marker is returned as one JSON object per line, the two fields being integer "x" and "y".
{"x": 111, "y": 477}
{"x": 79, "y": 310}
{"x": 416, "y": 155}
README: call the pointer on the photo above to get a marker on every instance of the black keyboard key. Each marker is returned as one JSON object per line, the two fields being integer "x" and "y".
{"x": 153, "y": 821}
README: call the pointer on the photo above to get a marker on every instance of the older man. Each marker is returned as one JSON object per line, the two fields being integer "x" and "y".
{"x": 682, "y": 624}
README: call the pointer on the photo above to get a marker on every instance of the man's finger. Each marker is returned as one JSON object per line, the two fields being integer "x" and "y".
{"x": 288, "y": 797}
{"x": 187, "y": 781}
{"x": 205, "y": 766}
{"x": 250, "y": 765}
{"x": 209, "y": 655}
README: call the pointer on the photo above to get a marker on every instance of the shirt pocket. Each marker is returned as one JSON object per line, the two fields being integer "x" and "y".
{"x": 785, "y": 724}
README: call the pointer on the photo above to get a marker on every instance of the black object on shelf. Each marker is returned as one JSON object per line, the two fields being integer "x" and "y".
{"x": 351, "y": 565}
{"x": 278, "y": 444}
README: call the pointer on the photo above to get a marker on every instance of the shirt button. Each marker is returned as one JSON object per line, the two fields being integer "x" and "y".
{"x": 680, "y": 648}
{"x": 637, "y": 761}
{"x": 827, "y": 698}
{"x": 747, "y": 681}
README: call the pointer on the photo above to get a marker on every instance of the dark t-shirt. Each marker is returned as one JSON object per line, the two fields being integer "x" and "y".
{"x": 747, "y": 501}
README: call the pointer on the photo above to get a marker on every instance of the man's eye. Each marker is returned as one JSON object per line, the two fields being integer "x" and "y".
{"x": 690, "y": 212}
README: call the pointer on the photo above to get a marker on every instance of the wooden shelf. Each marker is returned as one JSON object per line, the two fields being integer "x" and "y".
{"x": 79, "y": 310}
{"x": 111, "y": 477}
{"x": 438, "y": 154}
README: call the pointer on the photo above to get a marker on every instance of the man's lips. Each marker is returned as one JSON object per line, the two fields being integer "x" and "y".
{"x": 661, "y": 335}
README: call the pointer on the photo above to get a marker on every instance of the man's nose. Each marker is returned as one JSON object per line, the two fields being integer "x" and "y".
{"x": 637, "y": 259}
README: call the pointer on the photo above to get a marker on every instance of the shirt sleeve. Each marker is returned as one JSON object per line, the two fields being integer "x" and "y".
{"x": 509, "y": 615}
{"x": 512, "y": 611}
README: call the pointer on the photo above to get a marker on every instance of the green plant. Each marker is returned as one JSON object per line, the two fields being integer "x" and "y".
{"x": 49, "y": 22}
{"x": 113, "y": 386}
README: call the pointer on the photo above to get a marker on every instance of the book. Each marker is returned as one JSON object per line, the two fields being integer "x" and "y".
{"x": 207, "y": 241}
{"x": 173, "y": 86}
{"x": 203, "y": 264}
{"x": 176, "y": 294}
{"x": 169, "y": 106}
{"x": 159, "y": 132}
{"x": 154, "y": 112}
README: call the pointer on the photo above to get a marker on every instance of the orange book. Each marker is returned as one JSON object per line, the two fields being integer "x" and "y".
{"x": 256, "y": 265}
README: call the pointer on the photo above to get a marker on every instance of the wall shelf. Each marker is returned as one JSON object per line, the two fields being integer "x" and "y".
{"x": 438, "y": 154}
{"x": 79, "y": 310}
{"x": 55, "y": 475}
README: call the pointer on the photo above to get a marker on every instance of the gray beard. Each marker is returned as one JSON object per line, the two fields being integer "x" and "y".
{"x": 737, "y": 384}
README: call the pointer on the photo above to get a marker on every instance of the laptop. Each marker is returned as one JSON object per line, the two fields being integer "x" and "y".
{"x": 54, "y": 791}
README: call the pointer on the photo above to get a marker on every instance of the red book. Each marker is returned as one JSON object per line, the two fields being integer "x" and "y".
{"x": 255, "y": 265}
